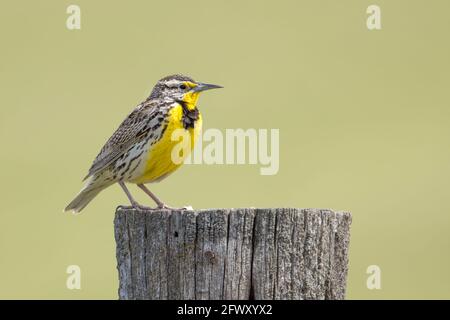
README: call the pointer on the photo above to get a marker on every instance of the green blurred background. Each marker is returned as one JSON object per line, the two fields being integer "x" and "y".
{"x": 363, "y": 115}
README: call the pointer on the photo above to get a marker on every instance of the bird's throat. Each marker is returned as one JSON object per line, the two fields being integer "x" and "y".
{"x": 190, "y": 111}
{"x": 190, "y": 116}
{"x": 190, "y": 100}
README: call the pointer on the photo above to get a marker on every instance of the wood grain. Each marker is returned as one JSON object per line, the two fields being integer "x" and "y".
{"x": 279, "y": 253}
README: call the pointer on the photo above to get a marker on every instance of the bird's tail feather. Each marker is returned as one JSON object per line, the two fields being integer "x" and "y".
{"x": 89, "y": 192}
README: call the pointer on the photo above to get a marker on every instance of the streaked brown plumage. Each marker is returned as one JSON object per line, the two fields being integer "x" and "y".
{"x": 139, "y": 149}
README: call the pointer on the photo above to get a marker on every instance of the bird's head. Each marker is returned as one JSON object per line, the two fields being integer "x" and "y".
{"x": 180, "y": 88}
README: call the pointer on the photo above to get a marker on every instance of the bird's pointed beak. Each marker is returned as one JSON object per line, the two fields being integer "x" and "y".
{"x": 205, "y": 86}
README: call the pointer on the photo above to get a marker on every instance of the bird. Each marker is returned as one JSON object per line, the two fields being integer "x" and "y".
{"x": 139, "y": 151}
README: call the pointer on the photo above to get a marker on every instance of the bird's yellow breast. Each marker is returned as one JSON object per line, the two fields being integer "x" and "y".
{"x": 159, "y": 162}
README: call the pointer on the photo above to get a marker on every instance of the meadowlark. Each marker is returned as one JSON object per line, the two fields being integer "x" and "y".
{"x": 140, "y": 150}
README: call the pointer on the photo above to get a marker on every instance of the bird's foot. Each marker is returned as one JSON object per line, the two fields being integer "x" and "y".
{"x": 122, "y": 207}
{"x": 139, "y": 207}
{"x": 163, "y": 206}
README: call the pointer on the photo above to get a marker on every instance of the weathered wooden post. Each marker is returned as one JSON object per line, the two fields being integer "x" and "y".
{"x": 232, "y": 253}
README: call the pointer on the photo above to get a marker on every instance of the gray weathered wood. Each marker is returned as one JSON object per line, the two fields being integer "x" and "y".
{"x": 248, "y": 253}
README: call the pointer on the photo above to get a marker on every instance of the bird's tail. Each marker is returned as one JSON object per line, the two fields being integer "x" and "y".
{"x": 89, "y": 192}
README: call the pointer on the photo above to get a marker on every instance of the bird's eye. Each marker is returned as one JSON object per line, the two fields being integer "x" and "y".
{"x": 182, "y": 86}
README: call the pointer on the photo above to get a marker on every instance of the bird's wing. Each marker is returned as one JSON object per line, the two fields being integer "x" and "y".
{"x": 130, "y": 131}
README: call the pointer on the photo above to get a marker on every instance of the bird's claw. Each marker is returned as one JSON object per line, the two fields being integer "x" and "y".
{"x": 166, "y": 207}
{"x": 139, "y": 207}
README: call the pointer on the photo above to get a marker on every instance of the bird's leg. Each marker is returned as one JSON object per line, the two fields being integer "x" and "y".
{"x": 134, "y": 203}
{"x": 161, "y": 205}
{"x": 148, "y": 192}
